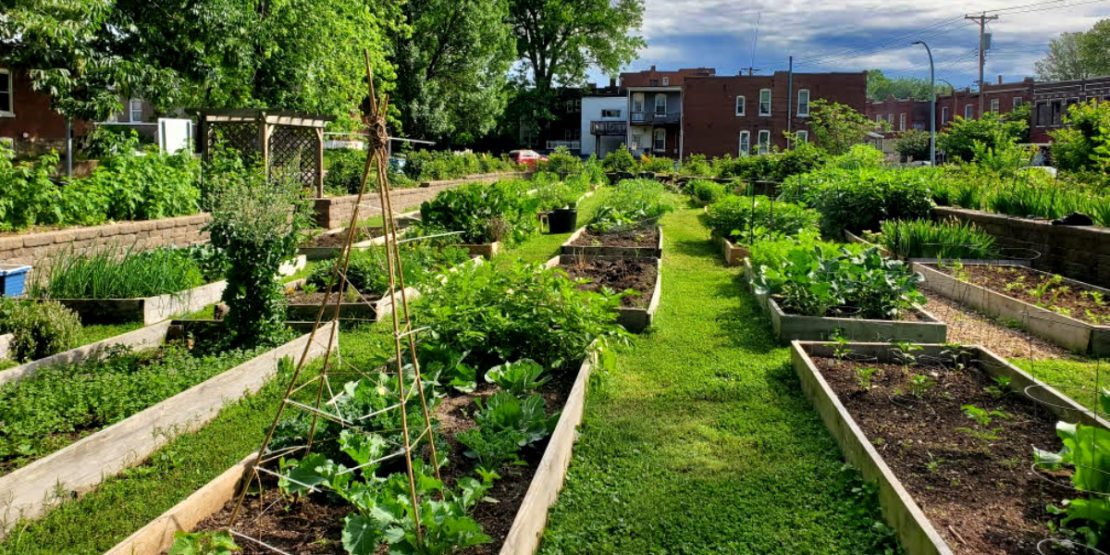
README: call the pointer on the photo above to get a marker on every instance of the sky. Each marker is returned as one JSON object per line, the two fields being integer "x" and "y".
{"x": 854, "y": 35}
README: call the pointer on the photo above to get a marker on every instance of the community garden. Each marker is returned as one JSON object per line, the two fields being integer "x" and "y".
{"x": 796, "y": 352}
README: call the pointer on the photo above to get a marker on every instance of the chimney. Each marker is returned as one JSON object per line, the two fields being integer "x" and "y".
{"x": 652, "y": 67}
{"x": 1000, "y": 79}
{"x": 612, "y": 82}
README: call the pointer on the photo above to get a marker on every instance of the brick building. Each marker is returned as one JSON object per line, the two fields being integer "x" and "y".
{"x": 750, "y": 113}
{"x": 655, "y": 109}
{"x": 1051, "y": 102}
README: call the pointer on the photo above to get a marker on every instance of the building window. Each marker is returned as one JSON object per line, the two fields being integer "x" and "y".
{"x": 902, "y": 121}
{"x": 764, "y": 102}
{"x": 135, "y": 110}
{"x": 637, "y": 103}
{"x": 994, "y": 105}
{"x": 803, "y": 136}
{"x": 6, "y": 104}
{"x": 740, "y": 105}
{"x": 745, "y": 143}
{"x": 666, "y": 81}
{"x": 1057, "y": 113}
{"x": 660, "y": 140}
{"x": 1017, "y": 102}
{"x": 803, "y": 103}
{"x": 944, "y": 115}
{"x": 764, "y": 141}
{"x": 878, "y": 118}
{"x": 660, "y": 104}
{"x": 610, "y": 113}
{"x": 969, "y": 111}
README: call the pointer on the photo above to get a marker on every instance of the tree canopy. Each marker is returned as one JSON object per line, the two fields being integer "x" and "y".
{"x": 880, "y": 87}
{"x": 1078, "y": 55}
{"x": 837, "y": 127}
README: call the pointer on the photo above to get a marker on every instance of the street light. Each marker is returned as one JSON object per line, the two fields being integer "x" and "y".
{"x": 932, "y": 107}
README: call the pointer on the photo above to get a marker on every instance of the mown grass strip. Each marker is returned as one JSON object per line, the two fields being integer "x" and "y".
{"x": 540, "y": 248}
{"x": 701, "y": 441}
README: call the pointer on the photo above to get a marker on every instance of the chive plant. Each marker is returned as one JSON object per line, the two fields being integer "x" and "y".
{"x": 122, "y": 274}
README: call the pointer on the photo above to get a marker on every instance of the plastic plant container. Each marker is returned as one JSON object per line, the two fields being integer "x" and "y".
{"x": 13, "y": 279}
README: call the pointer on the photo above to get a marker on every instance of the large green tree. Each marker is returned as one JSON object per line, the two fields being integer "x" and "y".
{"x": 1077, "y": 55}
{"x": 880, "y": 87}
{"x": 452, "y": 59}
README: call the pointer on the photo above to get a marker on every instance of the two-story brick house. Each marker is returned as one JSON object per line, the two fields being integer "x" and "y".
{"x": 655, "y": 104}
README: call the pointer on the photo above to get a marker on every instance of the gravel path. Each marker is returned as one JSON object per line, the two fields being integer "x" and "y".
{"x": 972, "y": 328}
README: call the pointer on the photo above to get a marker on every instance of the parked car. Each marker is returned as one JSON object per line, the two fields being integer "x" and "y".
{"x": 528, "y": 158}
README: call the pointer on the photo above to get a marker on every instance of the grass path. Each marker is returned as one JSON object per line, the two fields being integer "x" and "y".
{"x": 701, "y": 441}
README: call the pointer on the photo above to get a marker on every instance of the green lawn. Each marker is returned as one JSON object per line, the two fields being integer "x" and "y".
{"x": 1078, "y": 378}
{"x": 97, "y": 332}
{"x": 701, "y": 441}
{"x": 540, "y": 248}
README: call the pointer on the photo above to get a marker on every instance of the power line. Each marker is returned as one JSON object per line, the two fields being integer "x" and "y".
{"x": 932, "y": 29}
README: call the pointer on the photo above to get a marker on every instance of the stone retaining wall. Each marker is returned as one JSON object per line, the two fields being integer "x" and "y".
{"x": 37, "y": 248}
{"x": 1081, "y": 253}
{"x": 333, "y": 212}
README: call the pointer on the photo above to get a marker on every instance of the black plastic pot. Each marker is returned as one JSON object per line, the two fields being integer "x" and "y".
{"x": 562, "y": 220}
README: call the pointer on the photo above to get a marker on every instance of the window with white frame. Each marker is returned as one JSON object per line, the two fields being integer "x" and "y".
{"x": 1017, "y": 102}
{"x": 745, "y": 143}
{"x": 660, "y": 143}
{"x": 994, "y": 105}
{"x": 803, "y": 103}
{"x": 943, "y": 115}
{"x": 902, "y": 121}
{"x": 638, "y": 102}
{"x": 764, "y": 102}
{"x": 660, "y": 104}
{"x": 7, "y": 107}
{"x": 969, "y": 111}
{"x": 740, "y": 105}
{"x": 135, "y": 110}
{"x": 802, "y": 136}
{"x": 610, "y": 113}
{"x": 666, "y": 81}
{"x": 764, "y": 141}
{"x": 878, "y": 118}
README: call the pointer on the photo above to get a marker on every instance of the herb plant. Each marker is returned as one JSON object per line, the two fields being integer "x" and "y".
{"x": 929, "y": 239}
{"x": 124, "y": 274}
{"x": 39, "y": 329}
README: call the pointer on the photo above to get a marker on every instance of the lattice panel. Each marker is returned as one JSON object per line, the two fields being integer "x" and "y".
{"x": 293, "y": 155}
{"x": 242, "y": 136}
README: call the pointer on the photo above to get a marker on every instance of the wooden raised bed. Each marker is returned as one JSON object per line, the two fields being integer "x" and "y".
{"x": 28, "y": 492}
{"x": 734, "y": 254}
{"x": 147, "y": 310}
{"x": 484, "y": 250}
{"x": 148, "y": 336}
{"x": 634, "y": 319}
{"x": 654, "y": 251}
{"x": 1065, "y": 331}
{"x": 523, "y": 537}
{"x": 5, "y": 346}
{"x": 916, "y": 532}
{"x": 373, "y": 310}
{"x": 789, "y": 327}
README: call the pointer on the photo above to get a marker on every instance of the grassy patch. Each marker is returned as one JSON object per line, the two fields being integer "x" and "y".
{"x": 1078, "y": 378}
{"x": 121, "y": 505}
{"x": 701, "y": 441}
{"x": 98, "y": 332}
{"x": 540, "y": 248}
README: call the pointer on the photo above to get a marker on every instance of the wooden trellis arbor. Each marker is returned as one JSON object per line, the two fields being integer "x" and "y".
{"x": 290, "y": 145}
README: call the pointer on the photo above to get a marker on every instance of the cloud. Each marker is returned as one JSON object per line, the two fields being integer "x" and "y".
{"x": 852, "y": 35}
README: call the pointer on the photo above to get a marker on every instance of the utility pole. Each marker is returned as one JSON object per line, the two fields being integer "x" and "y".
{"x": 982, "y": 19}
{"x": 789, "y": 102}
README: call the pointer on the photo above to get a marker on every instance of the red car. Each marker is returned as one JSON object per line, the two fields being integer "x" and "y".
{"x": 528, "y": 158}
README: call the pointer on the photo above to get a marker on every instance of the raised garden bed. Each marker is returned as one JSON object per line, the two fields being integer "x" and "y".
{"x": 528, "y": 514}
{"x": 5, "y": 346}
{"x": 303, "y": 307}
{"x": 147, "y": 310}
{"x": 484, "y": 250}
{"x": 1009, "y": 291}
{"x": 31, "y": 490}
{"x": 642, "y": 275}
{"x": 919, "y": 326}
{"x": 947, "y": 482}
{"x": 646, "y": 242}
{"x": 733, "y": 254}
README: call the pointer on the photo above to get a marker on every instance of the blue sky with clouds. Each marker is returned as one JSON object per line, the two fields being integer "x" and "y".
{"x": 853, "y": 35}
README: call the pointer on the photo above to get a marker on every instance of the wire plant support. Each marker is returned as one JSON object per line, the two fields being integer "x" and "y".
{"x": 404, "y": 341}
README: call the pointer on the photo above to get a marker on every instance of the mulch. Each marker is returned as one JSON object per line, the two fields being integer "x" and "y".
{"x": 979, "y": 492}
{"x": 618, "y": 275}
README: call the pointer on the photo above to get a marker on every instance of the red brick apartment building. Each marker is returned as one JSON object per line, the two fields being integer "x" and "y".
{"x": 749, "y": 113}
{"x": 1051, "y": 102}
{"x": 655, "y": 107}
{"x": 903, "y": 114}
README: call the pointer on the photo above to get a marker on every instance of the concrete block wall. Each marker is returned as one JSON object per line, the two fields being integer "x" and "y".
{"x": 38, "y": 248}
{"x": 1081, "y": 253}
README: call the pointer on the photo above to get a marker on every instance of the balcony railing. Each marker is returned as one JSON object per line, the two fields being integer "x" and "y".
{"x": 571, "y": 145}
{"x": 653, "y": 117}
{"x": 609, "y": 128}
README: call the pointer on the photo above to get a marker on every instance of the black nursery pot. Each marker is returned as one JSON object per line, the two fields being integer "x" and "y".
{"x": 562, "y": 220}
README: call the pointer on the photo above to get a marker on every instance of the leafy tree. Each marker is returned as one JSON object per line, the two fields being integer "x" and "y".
{"x": 913, "y": 144}
{"x": 836, "y": 127}
{"x": 1076, "y": 146}
{"x": 993, "y": 130}
{"x": 1077, "y": 55}
{"x": 452, "y": 59}
{"x": 560, "y": 39}
{"x": 880, "y": 87}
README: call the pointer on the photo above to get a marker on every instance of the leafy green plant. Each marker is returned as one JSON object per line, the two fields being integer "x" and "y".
{"x": 39, "y": 329}
{"x": 921, "y": 384}
{"x": 257, "y": 223}
{"x": 562, "y": 163}
{"x": 706, "y": 191}
{"x": 864, "y": 376}
{"x": 520, "y": 377}
{"x": 773, "y": 166}
{"x": 748, "y": 219}
{"x": 427, "y": 165}
{"x": 619, "y": 160}
{"x": 483, "y": 213}
{"x": 945, "y": 239}
{"x": 203, "y": 543}
{"x": 860, "y": 199}
{"x": 634, "y": 202}
{"x": 368, "y": 271}
{"x": 912, "y": 144}
{"x": 553, "y": 193}
{"x": 992, "y": 130}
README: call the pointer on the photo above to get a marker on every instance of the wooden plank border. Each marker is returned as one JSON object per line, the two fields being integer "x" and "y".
{"x": 569, "y": 247}
{"x": 148, "y": 310}
{"x": 30, "y": 491}
{"x": 634, "y": 319}
{"x": 147, "y": 336}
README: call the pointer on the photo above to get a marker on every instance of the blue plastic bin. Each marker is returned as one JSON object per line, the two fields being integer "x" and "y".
{"x": 13, "y": 279}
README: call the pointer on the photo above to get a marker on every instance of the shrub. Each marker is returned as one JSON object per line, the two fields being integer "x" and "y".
{"x": 912, "y": 144}
{"x": 857, "y": 157}
{"x": 39, "y": 329}
{"x": 368, "y": 273}
{"x": 837, "y": 127}
{"x": 483, "y": 213}
{"x": 1076, "y": 147}
{"x": 656, "y": 164}
{"x": 619, "y": 160}
{"x": 928, "y": 239}
{"x": 706, "y": 191}
{"x": 517, "y": 311}
{"x": 562, "y": 163}
{"x": 774, "y": 166}
{"x": 257, "y": 223}
{"x": 633, "y": 203}
{"x": 115, "y": 274}
{"x": 696, "y": 165}
{"x": 425, "y": 165}
{"x": 859, "y": 200}
{"x": 992, "y": 130}
{"x": 30, "y": 197}
{"x": 746, "y": 219}
{"x": 551, "y": 193}
{"x": 345, "y": 169}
